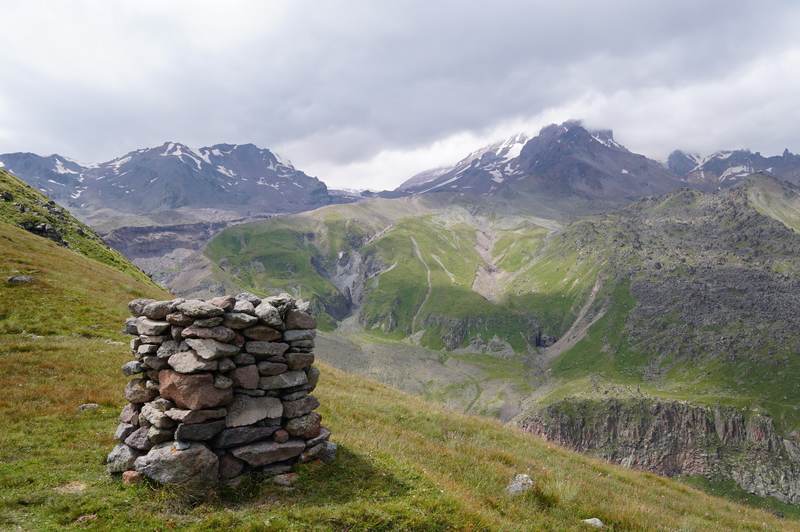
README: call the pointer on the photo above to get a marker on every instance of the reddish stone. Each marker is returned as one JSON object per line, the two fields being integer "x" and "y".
{"x": 192, "y": 391}
{"x": 245, "y": 377}
{"x": 280, "y": 436}
{"x": 131, "y": 477}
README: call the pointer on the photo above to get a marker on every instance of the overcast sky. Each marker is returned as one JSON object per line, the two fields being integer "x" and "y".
{"x": 365, "y": 94}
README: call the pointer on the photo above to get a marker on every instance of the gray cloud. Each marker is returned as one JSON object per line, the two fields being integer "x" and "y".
{"x": 364, "y": 93}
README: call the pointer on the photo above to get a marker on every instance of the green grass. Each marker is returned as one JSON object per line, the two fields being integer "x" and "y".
{"x": 77, "y": 236}
{"x": 729, "y": 490}
{"x": 403, "y": 464}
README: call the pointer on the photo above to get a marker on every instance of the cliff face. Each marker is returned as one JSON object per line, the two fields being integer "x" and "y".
{"x": 676, "y": 438}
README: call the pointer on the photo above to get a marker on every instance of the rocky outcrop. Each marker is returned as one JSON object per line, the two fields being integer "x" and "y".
{"x": 676, "y": 438}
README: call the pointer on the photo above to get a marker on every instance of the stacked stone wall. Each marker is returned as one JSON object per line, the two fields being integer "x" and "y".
{"x": 218, "y": 389}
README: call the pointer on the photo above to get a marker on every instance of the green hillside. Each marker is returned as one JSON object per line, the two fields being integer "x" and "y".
{"x": 402, "y": 464}
{"x": 26, "y": 207}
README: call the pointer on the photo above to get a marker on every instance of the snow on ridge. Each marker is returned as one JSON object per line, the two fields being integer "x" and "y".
{"x": 229, "y": 173}
{"x": 59, "y": 168}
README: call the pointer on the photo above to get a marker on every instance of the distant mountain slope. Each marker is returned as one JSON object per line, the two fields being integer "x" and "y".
{"x": 242, "y": 178}
{"x": 726, "y": 168}
{"x": 29, "y": 209}
{"x": 564, "y": 162}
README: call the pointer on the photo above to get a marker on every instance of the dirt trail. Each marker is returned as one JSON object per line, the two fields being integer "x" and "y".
{"x": 428, "y": 293}
{"x": 579, "y": 327}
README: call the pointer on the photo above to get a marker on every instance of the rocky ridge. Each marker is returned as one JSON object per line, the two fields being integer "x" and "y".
{"x": 676, "y": 438}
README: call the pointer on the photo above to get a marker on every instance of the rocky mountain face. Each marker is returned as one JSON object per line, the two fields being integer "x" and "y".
{"x": 562, "y": 161}
{"x": 243, "y": 178}
{"x": 676, "y": 438}
{"x": 723, "y": 169}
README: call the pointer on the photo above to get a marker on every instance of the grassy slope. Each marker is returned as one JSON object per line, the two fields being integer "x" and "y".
{"x": 607, "y": 354}
{"x": 78, "y": 237}
{"x": 402, "y": 463}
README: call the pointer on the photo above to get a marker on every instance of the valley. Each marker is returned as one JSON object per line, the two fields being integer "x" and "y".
{"x": 503, "y": 288}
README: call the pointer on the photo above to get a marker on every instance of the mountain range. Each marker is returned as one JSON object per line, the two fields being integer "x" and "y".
{"x": 241, "y": 178}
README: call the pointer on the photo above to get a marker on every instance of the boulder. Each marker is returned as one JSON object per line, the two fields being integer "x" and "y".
{"x": 234, "y": 437}
{"x": 266, "y": 348}
{"x": 210, "y": 349}
{"x": 296, "y": 319}
{"x": 192, "y": 391}
{"x": 519, "y": 484}
{"x": 195, "y": 308}
{"x": 284, "y": 380}
{"x": 121, "y": 458}
{"x": 269, "y": 315}
{"x": 223, "y": 302}
{"x": 328, "y": 452}
{"x": 130, "y": 327}
{"x": 136, "y": 391}
{"x": 189, "y": 362}
{"x": 268, "y": 452}
{"x": 301, "y": 407}
{"x": 149, "y": 327}
{"x": 199, "y": 431}
{"x": 168, "y": 465}
{"x": 245, "y": 410}
{"x": 245, "y": 376}
{"x": 239, "y": 320}
{"x": 594, "y": 522}
{"x": 305, "y": 427}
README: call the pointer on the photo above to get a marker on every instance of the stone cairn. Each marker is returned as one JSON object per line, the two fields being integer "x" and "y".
{"x": 220, "y": 388}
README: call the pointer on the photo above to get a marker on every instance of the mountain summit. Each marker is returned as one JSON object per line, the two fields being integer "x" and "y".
{"x": 238, "y": 177}
{"x": 566, "y": 160}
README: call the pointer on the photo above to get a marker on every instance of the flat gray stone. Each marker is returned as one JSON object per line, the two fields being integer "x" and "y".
{"x": 195, "y": 416}
{"x": 195, "y": 308}
{"x": 246, "y": 410}
{"x": 268, "y": 452}
{"x": 150, "y": 327}
{"x": 300, "y": 407}
{"x": 199, "y": 431}
{"x": 284, "y": 380}
{"x": 266, "y": 348}
{"x": 239, "y": 320}
{"x": 209, "y": 349}
{"x": 271, "y": 368}
{"x": 299, "y": 334}
{"x": 189, "y": 362}
{"x": 234, "y": 437}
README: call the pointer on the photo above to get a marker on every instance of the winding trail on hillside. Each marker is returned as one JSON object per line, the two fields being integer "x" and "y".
{"x": 579, "y": 327}
{"x": 428, "y": 293}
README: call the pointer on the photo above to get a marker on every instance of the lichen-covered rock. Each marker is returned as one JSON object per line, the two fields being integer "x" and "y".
{"x": 189, "y": 362}
{"x": 269, "y": 315}
{"x": 168, "y": 465}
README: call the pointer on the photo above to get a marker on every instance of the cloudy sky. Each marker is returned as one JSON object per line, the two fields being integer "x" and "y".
{"x": 367, "y": 93}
